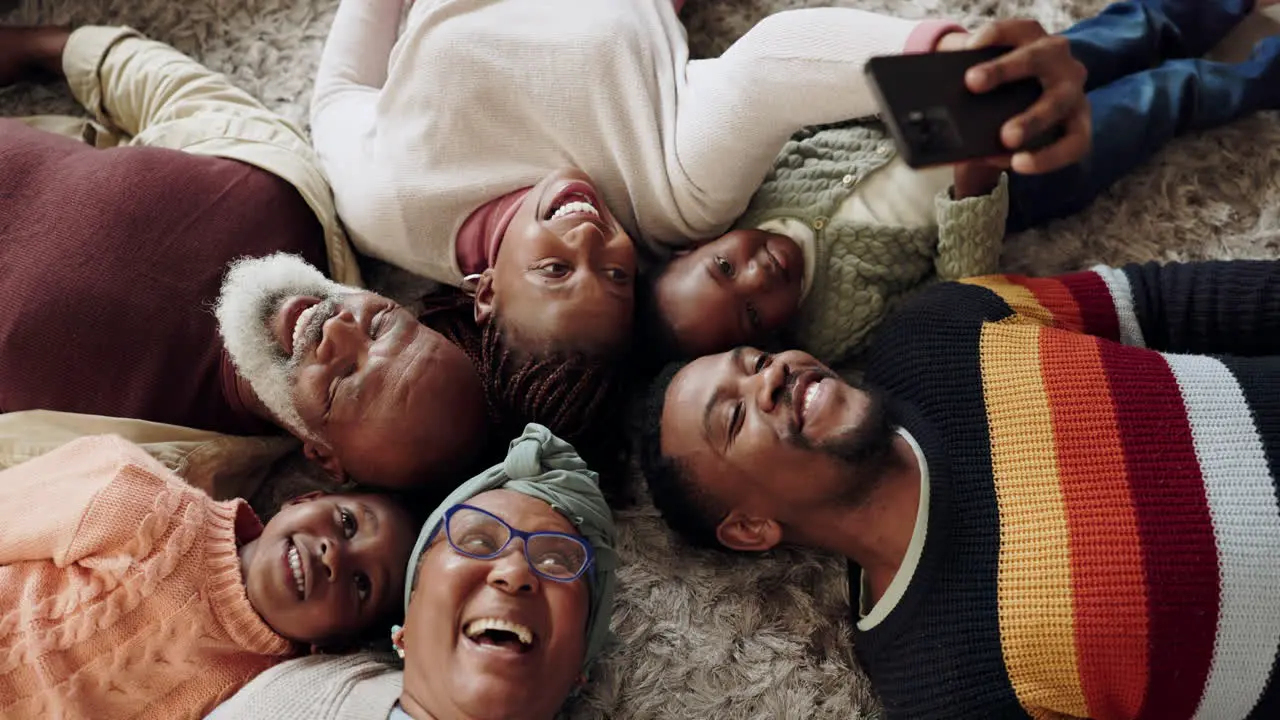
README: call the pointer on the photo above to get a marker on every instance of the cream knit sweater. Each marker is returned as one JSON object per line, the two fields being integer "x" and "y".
{"x": 362, "y": 686}
{"x": 477, "y": 98}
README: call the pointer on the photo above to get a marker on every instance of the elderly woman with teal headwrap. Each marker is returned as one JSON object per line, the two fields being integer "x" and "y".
{"x": 511, "y": 592}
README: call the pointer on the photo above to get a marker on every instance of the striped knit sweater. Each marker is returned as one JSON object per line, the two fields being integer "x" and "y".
{"x": 1104, "y": 532}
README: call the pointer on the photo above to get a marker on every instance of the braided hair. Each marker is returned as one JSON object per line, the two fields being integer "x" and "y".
{"x": 577, "y": 395}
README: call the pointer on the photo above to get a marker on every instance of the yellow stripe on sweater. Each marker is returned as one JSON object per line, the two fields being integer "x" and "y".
{"x": 1019, "y": 298}
{"x": 1037, "y": 628}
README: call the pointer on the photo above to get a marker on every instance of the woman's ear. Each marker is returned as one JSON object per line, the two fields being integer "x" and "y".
{"x": 484, "y": 297}
{"x": 397, "y": 640}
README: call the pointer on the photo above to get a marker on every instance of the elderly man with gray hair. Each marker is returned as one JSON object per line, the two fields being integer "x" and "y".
{"x": 115, "y": 244}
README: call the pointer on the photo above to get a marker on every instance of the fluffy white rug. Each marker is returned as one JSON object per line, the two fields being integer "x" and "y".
{"x": 705, "y": 636}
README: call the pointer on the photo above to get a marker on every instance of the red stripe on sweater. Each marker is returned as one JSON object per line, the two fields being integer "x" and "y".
{"x": 1057, "y": 299}
{"x": 1097, "y": 309}
{"x": 1176, "y": 530}
{"x": 1107, "y": 574}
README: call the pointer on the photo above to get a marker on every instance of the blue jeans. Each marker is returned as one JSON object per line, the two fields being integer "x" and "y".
{"x": 1146, "y": 86}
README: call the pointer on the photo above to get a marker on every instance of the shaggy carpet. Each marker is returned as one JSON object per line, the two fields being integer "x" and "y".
{"x": 705, "y": 636}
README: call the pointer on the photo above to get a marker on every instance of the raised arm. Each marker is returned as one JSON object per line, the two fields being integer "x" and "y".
{"x": 353, "y": 68}
{"x": 794, "y": 68}
{"x": 805, "y": 67}
{"x": 144, "y": 88}
{"x": 1223, "y": 307}
{"x": 161, "y": 98}
{"x": 131, "y": 84}
{"x": 971, "y": 231}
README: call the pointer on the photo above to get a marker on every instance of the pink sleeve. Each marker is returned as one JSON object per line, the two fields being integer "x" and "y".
{"x": 45, "y": 502}
{"x": 924, "y": 38}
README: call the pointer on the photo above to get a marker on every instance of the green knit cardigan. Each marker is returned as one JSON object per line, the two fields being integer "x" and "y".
{"x": 862, "y": 271}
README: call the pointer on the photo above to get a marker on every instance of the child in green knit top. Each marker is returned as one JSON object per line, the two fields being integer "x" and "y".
{"x": 842, "y": 230}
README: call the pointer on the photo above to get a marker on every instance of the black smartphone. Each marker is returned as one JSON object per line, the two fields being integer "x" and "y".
{"x": 936, "y": 120}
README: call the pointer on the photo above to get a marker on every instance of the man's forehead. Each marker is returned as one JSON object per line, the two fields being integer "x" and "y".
{"x": 687, "y": 387}
{"x": 690, "y": 403}
{"x": 686, "y": 400}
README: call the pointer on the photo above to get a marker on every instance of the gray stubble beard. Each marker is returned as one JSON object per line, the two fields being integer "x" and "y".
{"x": 252, "y": 292}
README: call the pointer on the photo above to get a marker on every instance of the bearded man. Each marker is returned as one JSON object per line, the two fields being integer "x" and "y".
{"x": 1058, "y": 496}
{"x": 371, "y": 392}
{"x": 113, "y": 254}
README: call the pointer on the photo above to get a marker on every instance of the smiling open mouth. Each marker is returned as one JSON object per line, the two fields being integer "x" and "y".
{"x": 504, "y": 634}
{"x": 804, "y": 389}
{"x": 308, "y": 326}
{"x": 295, "y": 566}
{"x": 573, "y": 204}
{"x": 300, "y": 327}
{"x": 809, "y": 395}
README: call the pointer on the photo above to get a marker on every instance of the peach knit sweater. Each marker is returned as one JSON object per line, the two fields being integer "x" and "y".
{"x": 120, "y": 590}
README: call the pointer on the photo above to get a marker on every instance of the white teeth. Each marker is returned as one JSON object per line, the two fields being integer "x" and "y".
{"x": 577, "y": 206}
{"x": 295, "y": 564}
{"x": 476, "y": 627}
{"x": 809, "y": 395}
{"x": 300, "y": 326}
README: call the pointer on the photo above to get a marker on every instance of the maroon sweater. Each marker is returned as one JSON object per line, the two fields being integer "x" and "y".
{"x": 110, "y": 263}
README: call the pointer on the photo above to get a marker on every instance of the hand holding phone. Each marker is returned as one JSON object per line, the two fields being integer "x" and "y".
{"x": 936, "y": 120}
{"x": 1048, "y": 59}
{"x": 1062, "y": 106}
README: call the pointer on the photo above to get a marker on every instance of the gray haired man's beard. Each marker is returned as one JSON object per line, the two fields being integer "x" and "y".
{"x": 252, "y": 292}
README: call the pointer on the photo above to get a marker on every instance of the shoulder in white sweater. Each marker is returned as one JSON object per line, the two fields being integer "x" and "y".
{"x": 477, "y": 98}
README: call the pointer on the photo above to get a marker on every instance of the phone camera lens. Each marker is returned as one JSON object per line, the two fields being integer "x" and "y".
{"x": 931, "y": 130}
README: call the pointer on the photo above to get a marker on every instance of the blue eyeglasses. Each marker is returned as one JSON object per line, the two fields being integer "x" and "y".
{"x": 482, "y": 535}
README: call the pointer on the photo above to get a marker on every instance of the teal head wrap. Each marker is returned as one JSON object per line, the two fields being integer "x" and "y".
{"x": 543, "y": 466}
